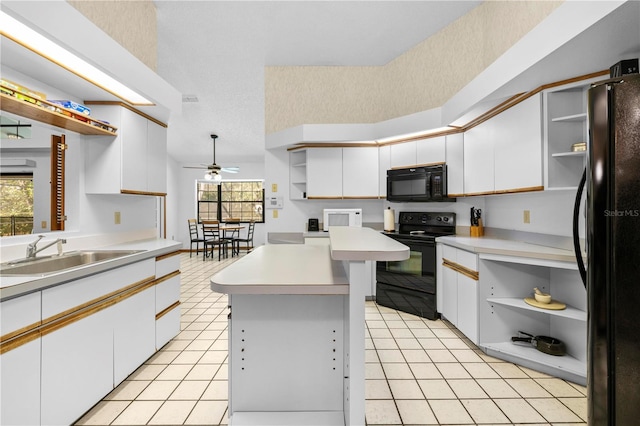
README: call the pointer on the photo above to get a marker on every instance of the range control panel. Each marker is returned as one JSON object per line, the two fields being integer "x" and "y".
{"x": 427, "y": 218}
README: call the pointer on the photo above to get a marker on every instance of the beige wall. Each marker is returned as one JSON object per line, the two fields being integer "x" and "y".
{"x": 422, "y": 78}
{"x": 133, "y": 24}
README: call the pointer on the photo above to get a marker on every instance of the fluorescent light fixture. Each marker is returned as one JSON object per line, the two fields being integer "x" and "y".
{"x": 36, "y": 42}
{"x": 424, "y": 133}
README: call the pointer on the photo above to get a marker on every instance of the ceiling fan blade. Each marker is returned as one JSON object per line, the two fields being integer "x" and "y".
{"x": 231, "y": 169}
{"x": 203, "y": 167}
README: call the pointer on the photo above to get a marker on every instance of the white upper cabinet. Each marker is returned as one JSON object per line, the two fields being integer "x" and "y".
{"x": 478, "y": 159}
{"x": 384, "y": 164}
{"x": 134, "y": 161}
{"x": 403, "y": 155}
{"x": 360, "y": 173}
{"x": 454, "y": 148}
{"x": 431, "y": 151}
{"x": 504, "y": 153}
{"x": 518, "y": 146}
{"x": 324, "y": 172}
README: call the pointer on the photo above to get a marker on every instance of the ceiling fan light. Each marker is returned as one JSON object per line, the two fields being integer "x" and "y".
{"x": 217, "y": 177}
{"x": 207, "y": 176}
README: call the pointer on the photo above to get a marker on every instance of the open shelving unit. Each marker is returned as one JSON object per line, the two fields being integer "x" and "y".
{"x": 298, "y": 174}
{"x": 565, "y": 123}
{"x": 503, "y": 313}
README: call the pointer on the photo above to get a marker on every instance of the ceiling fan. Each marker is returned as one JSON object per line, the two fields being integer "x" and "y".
{"x": 214, "y": 170}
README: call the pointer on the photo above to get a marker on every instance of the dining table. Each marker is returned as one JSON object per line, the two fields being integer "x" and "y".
{"x": 228, "y": 232}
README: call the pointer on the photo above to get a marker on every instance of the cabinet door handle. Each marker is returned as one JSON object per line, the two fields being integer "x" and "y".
{"x": 474, "y": 275}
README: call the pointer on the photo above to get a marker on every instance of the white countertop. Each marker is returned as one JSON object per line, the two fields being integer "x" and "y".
{"x": 353, "y": 243}
{"x": 13, "y": 286}
{"x": 497, "y": 246}
{"x": 283, "y": 269}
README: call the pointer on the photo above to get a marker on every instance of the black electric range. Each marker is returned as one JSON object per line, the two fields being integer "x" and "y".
{"x": 410, "y": 285}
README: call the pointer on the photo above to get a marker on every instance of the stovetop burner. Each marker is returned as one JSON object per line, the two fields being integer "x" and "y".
{"x": 425, "y": 225}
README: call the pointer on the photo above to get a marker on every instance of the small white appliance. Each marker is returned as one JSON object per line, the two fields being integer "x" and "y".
{"x": 341, "y": 217}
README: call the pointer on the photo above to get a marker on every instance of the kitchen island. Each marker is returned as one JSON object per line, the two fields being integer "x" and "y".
{"x": 297, "y": 328}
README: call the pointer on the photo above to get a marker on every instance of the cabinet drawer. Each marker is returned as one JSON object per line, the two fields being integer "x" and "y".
{"x": 57, "y": 300}
{"x": 167, "y": 293}
{"x": 167, "y": 264}
{"x": 20, "y": 313}
{"x": 449, "y": 253}
{"x": 467, "y": 259}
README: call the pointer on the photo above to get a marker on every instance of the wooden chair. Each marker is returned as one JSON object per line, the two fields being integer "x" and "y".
{"x": 211, "y": 231}
{"x": 195, "y": 237}
{"x": 232, "y": 235}
{"x": 249, "y": 240}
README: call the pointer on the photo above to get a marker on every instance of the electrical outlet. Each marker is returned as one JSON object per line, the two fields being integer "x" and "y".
{"x": 43, "y": 224}
{"x": 116, "y": 218}
{"x": 527, "y": 216}
{"x": 275, "y": 214}
{"x": 274, "y": 187}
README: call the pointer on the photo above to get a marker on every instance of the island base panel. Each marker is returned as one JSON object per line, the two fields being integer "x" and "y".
{"x": 286, "y": 353}
{"x": 300, "y": 418}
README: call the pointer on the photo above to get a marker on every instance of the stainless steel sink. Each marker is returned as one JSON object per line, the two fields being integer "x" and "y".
{"x": 52, "y": 264}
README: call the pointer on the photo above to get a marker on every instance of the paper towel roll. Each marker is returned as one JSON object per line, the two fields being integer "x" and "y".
{"x": 389, "y": 220}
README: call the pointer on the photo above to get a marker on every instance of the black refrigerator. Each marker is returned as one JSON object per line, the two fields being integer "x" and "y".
{"x": 612, "y": 275}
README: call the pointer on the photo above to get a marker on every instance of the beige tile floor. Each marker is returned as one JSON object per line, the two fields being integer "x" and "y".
{"x": 418, "y": 372}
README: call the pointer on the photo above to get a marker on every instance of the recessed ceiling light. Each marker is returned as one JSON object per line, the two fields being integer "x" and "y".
{"x": 36, "y": 42}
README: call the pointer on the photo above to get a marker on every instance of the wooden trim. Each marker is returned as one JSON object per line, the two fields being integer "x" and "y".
{"x": 516, "y": 190}
{"x": 167, "y": 310}
{"x": 20, "y": 331}
{"x": 132, "y": 192}
{"x": 77, "y": 315}
{"x": 325, "y": 198}
{"x": 361, "y": 197}
{"x": 57, "y": 216}
{"x": 167, "y": 255}
{"x": 130, "y": 108}
{"x": 166, "y": 277}
{"x": 97, "y": 300}
{"x": 440, "y": 163}
{"x": 456, "y": 195}
{"x": 474, "y": 275}
{"x": 20, "y": 340}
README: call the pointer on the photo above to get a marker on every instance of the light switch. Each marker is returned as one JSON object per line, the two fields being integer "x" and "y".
{"x": 274, "y": 187}
{"x": 116, "y": 218}
{"x": 43, "y": 224}
{"x": 527, "y": 216}
{"x": 275, "y": 214}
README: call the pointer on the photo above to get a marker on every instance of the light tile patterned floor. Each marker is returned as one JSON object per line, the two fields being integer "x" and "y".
{"x": 418, "y": 372}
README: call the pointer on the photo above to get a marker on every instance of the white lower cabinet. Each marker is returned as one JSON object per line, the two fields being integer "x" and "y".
{"x": 77, "y": 367}
{"x": 133, "y": 333}
{"x": 460, "y": 290}
{"x": 20, "y": 395}
{"x": 66, "y": 347}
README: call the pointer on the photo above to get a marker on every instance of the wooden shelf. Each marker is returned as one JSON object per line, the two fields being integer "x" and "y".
{"x": 514, "y": 302}
{"x": 41, "y": 114}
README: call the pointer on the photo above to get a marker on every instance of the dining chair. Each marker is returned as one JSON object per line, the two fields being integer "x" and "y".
{"x": 233, "y": 234}
{"x": 211, "y": 231}
{"x": 195, "y": 237}
{"x": 248, "y": 240}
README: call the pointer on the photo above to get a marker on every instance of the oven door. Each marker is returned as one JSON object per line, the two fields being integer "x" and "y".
{"x": 410, "y": 285}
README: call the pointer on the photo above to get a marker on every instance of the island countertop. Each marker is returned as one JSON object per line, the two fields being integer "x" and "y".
{"x": 283, "y": 269}
{"x": 354, "y": 243}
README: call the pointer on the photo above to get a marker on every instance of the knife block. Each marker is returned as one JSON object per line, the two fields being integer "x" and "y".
{"x": 477, "y": 231}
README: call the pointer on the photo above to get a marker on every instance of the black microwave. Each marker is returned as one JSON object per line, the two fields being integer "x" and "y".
{"x": 418, "y": 184}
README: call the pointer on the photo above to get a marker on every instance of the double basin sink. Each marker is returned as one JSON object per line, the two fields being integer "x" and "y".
{"x": 46, "y": 265}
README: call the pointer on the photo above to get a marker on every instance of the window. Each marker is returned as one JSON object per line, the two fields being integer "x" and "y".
{"x": 16, "y": 208}
{"x": 231, "y": 199}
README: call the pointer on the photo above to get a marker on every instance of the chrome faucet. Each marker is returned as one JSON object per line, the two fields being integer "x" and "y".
{"x": 32, "y": 248}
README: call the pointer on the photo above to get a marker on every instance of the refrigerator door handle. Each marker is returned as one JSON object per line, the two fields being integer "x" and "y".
{"x": 576, "y": 234}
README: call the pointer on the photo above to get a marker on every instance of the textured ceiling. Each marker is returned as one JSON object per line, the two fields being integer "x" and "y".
{"x": 217, "y": 51}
